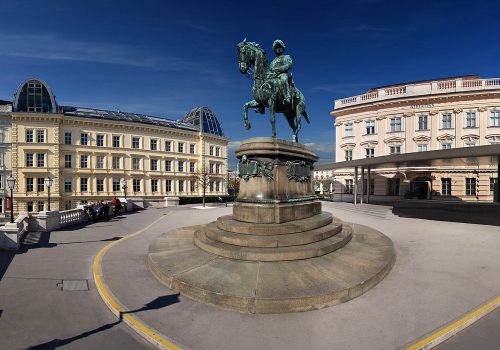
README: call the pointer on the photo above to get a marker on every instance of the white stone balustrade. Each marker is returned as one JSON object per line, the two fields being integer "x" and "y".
{"x": 72, "y": 217}
{"x": 420, "y": 89}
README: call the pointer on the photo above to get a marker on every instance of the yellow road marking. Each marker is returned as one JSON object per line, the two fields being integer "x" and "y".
{"x": 448, "y": 331}
{"x": 141, "y": 328}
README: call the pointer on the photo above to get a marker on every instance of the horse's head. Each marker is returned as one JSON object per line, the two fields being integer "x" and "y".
{"x": 247, "y": 55}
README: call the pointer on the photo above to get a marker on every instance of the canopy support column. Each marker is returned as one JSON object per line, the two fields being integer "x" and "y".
{"x": 362, "y": 184}
{"x": 369, "y": 184}
{"x": 355, "y": 182}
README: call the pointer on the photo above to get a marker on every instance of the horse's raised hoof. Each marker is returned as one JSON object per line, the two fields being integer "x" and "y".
{"x": 247, "y": 126}
{"x": 294, "y": 138}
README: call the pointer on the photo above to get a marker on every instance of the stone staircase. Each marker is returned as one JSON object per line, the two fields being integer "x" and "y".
{"x": 380, "y": 211}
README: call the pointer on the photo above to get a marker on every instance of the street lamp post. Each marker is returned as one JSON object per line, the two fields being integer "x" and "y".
{"x": 48, "y": 182}
{"x": 11, "y": 183}
{"x": 124, "y": 187}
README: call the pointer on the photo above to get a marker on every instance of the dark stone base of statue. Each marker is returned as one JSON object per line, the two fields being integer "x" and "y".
{"x": 278, "y": 252}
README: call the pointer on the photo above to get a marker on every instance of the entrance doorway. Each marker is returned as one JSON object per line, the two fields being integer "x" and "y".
{"x": 420, "y": 187}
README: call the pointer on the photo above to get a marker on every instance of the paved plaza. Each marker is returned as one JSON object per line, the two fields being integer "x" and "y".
{"x": 442, "y": 271}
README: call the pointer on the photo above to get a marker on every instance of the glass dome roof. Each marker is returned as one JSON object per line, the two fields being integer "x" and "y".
{"x": 206, "y": 118}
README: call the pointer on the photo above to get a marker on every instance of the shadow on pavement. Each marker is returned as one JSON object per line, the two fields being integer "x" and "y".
{"x": 34, "y": 240}
{"x": 157, "y": 303}
{"x": 5, "y": 260}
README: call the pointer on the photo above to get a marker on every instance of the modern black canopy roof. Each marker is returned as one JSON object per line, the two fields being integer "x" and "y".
{"x": 480, "y": 155}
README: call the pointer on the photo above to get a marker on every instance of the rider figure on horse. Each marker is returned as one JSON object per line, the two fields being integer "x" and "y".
{"x": 279, "y": 68}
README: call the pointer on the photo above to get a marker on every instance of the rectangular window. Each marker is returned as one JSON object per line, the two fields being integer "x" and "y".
{"x": 40, "y": 206}
{"x": 446, "y": 146}
{"x": 99, "y": 162}
{"x": 422, "y": 147}
{"x": 100, "y": 185}
{"x": 168, "y": 146}
{"x": 29, "y": 184}
{"x": 348, "y": 154}
{"x": 68, "y": 163}
{"x": 100, "y": 140}
{"x": 115, "y": 162}
{"x": 168, "y": 165}
{"x": 348, "y": 130}
{"x": 168, "y": 186}
{"x": 181, "y": 185}
{"x": 29, "y": 206}
{"x": 395, "y": 149}
{"x": 40, "y": 160}
{"x": 154, "y": 185}
{"x": 192, "y": 148}
{"x": 136, "y": 142}
{"x": 116, "y": 141}
{"x": 370, "y": 152}
{"x": 29, "y": 159}
{"x": 349, "y": 186}
{"x": 68, "y": 185}
{"x": 211, "y": 150}
{"x": 67, "y": 138}
{"x": 470, "y": 186}
{"x": 211, "y": 168}
{"x": 217, "y": 151}
{"x": 40, "y": 184}
{"x": 84, "y": 161}
{"x": 446, "y": 121}
{"x": 395, "y": 124}
{"x": 40, "y": 136}
{"x": 191, "y": 167}
{"x": 217, "y": 168}
{"x": 493, "y": 181}
{"x": 154, "y": 144}
{"x": 446, "y": 186}
{"x": 29, "y": 135}
{"x": 136, "y": 163}
{"x": 116, "y": 184}
{"x": 180, "y": 147}
{"x": 494, "y": 118}
{"x": 84, "y": 184}
{"x": 470, "y": 120}
{"x": 423, "y": 122}
{"x": 154, "y": 164}
{"x": 192, "y": 185}
{"x": 180, "y": 166}
{"x": 68, "y": 205}
{"x": 84, "y": 139}
{"x": 393, "y": 187}
{"x": 136, "y": 185}
{"x": 471, "y": 144}
{"x": 370, "y": 127}
{"x": 372, "y": 186}
{"x": 217, "y": 186}
{"x": 211, "y": 186}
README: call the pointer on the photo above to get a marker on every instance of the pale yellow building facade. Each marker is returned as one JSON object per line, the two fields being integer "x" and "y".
{"x": 419, "y": 117}
{"x": 89, "y": 153}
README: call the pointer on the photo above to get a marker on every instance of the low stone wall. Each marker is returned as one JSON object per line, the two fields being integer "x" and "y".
{"x": 467, "y": 212}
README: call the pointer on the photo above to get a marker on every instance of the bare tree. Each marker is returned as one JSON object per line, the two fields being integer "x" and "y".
{"x": 203, "y": 181}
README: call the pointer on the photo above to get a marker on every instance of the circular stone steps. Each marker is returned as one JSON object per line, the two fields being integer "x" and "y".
{"x": 227, "y": 223}
{"x": 272, "y": 287}
{"x": 213, "y": 232}
{"x": 304, "y": 251}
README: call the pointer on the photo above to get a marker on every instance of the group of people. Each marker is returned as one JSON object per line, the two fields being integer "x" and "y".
{"x": 99, "y": 210}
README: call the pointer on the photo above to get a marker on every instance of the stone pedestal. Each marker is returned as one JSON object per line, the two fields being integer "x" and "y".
{"x": 10, "y": 239}
{"x": 171, "y": 201}
{"x": 278, "y": 252}
{"x": 48, "y": 221}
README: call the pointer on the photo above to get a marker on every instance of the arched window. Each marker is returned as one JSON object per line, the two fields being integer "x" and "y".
{"x": 33, "y": 95}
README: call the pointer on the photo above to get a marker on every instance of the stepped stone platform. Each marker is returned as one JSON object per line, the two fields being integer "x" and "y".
{"x": 278, "y": 252}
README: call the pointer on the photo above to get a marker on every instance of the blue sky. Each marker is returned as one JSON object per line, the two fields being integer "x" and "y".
{"x": 166, "y": 57}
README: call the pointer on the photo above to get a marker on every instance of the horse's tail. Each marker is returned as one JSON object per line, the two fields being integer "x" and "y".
{"x": 304, "y": 113}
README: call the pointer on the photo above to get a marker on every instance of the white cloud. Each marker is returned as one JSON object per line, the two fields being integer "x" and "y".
{"x": 51, "y": 47}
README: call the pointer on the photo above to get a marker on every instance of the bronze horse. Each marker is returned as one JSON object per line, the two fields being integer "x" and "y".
{"x": 266, "y": 92}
